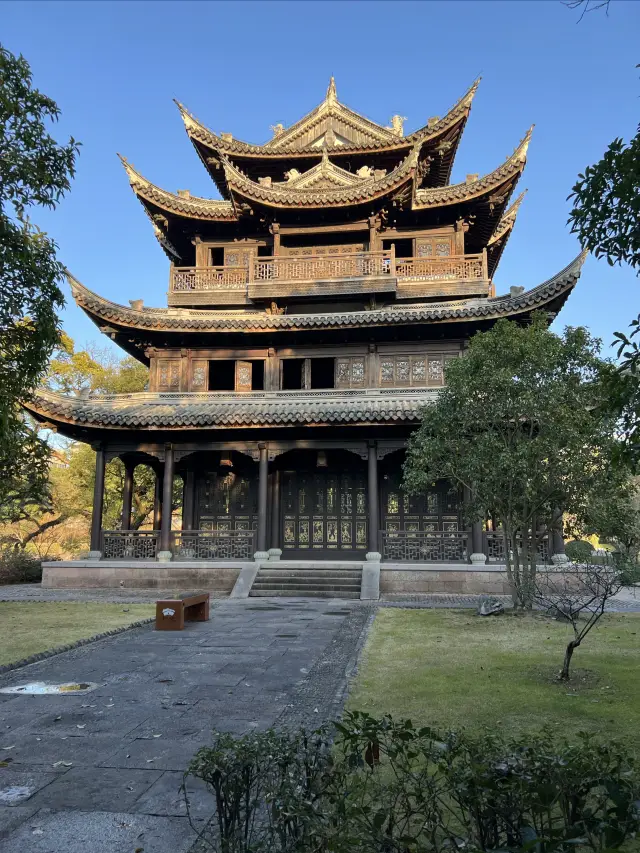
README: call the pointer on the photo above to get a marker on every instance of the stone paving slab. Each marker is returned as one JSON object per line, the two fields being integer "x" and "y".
{"x": 101, "y": 771}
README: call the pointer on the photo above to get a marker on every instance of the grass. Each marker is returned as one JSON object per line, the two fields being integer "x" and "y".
{"x": 31, "y": 627}
{"x": 450, "y": 668}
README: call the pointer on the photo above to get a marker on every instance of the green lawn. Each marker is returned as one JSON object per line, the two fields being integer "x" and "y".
{"x": 453, "y": 669}
{"x": 30, "y": 627}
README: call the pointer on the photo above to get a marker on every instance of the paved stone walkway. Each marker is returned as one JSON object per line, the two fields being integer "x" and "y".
{"x": 100, "y": 772}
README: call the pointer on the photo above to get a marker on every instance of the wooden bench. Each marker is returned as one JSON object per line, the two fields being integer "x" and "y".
{"x": 171, "y": 613}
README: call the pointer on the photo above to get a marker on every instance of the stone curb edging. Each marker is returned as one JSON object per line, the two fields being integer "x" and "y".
{"x": 48, "y": 653}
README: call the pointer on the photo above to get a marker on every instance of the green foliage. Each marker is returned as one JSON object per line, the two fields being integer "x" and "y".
{"x": 34, "y": 171}
{"x": 578, "y": 549}
{"x": 606, "y": 204}
{"x": 520, "y": 425}
{"x": 389, "y": 786}
{"x": 16, "y": 566}
{"x": 93, "y": 370}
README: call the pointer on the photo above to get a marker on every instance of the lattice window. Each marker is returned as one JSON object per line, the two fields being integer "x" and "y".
{"x": 199, "y": 376}
{"x": 351, "y": 372}
{"x": 414, "y": 370}
{"x": 169, "y": 374}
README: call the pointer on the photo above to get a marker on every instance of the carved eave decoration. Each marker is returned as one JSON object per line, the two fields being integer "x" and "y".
{"x": 145, "y": 320}
{"x": 492, "y": 185}
{"x": 302, "y": 191}
{"x": 504, "y": 228}
{"x": 441, "y": 136}
{"x": 155, "y": 199}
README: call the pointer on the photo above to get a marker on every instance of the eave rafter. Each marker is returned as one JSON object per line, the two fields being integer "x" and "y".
{"x": 142, "y": 320}
{"x": 282, "y": 195}
{"x": 505, "y": 174}
{"x": 441, "y": 135}
{"x": 499, "y": 238}
{"x": 154, "y": 198}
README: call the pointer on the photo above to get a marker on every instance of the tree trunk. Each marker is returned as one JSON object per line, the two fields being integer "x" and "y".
{"x": 564, "y": 672}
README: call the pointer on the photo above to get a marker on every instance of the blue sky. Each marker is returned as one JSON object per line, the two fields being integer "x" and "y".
{"x": 114, "y": 67}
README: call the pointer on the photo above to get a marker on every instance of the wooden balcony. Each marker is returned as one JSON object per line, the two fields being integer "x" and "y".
{"x": 359, "y": 273}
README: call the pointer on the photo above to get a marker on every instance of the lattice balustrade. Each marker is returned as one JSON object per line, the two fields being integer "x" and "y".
{"x": 209, "y": 278}
{"x": 402, "y": 546}
{"x": 495, "y": 549}
{"x": 213, "y": 544}
{"x": 318, "y": 267}
{"x": 454, "y": 268}
{"x": 130, "y": 544}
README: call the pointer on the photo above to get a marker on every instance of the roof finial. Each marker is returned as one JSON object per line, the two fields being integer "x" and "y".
{"x": 332, "y": 95}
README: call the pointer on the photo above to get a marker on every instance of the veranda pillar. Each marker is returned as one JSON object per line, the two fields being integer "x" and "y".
{"x": 188, "y": 500}
{"x": 157, "y": 499}
{"x": 476, "y": 555}
{"x": 167, "y": 505}
{"x": 263, "y": 473}
{"x": 556, "y": 539}
{"x": 98, "y": 503}
{"x": 127, "y": 495}
{"x": 373, "y": 554}
{"x": 275, "y": 552}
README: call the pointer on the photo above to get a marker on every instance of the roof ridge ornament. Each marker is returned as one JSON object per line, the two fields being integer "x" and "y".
{"x": 332, "y": 94}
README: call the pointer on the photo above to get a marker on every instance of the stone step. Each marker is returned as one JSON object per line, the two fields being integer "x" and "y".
{"x": 302, "y": 593}
{"x": 350, "y": 587}
{"x": 308, "y": 574}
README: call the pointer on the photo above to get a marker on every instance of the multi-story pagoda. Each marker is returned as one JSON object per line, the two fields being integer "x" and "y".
{"x": 311, "y": 314}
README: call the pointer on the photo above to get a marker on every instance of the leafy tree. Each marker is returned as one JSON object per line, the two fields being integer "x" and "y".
{"x": 518, "y": 424}
{"x": 34, "y": 172}
{"x": 94, "y": 369}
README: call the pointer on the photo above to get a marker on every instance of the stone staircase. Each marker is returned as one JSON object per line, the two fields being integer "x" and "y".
{"x": 302, "y": 579}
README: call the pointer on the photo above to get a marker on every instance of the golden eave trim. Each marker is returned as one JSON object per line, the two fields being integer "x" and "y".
{"x": 507, "y": 221}
{"x": 192, "y": 207}
{"x": 359, "y": 193}
{"x": 456, "y": 193}
{"x": 198, "y": 132}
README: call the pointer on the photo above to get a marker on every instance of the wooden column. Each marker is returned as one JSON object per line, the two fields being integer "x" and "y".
{"x": 98, "y": 503}
{"x": 127, "y": 495}
{"x": 157, "y": 500}
{"x": 167, "y": 502}
{"x": 372, "y": 488}
{"x": 275, "y": 510}
{"x": 188, "y": 499}
{"x": 263, "y": 473}
{"x": 475, "y": 544}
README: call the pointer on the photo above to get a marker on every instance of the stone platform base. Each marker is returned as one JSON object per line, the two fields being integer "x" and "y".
{"x": 87, "y": 574}
{"x": 408, "y": 578}
{"x": 443, "y": 577}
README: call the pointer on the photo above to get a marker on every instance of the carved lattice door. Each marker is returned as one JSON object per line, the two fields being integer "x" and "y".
{"x": 433, "y": 510}
{"x": 324, "y": 514}
{"x": 227, "y": 501}
{"x": 244, "y": 372}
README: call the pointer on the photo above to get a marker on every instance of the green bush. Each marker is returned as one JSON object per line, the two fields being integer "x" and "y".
{"x": 579, "y": 550}
{"x": 384, "y": 786}
{"x": 19, "y": 567}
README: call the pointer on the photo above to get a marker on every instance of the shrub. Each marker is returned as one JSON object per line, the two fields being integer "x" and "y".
{"x": 579, "y": 550}
{"x": 17, "y": 566}
{"x": 385, "y": 786}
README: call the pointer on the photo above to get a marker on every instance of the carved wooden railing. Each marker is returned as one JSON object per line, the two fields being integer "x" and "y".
{"x": 130, "y": 544}
{"x": 185, "y": 279}
{"x": 213, "y": 544}
{"x": 419, "y": 546}
{"x": 495, "y": 550}
{"x": 317, "y": 267}
{"x": 313, "y": 268}
{"x": 454, "y": 268}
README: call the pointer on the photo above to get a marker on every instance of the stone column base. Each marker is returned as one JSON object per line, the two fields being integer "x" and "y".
{"x": 373, "y": 557}
{"x": 94, "y": 555}
{"x": 261, "y": 555}
{"x": 274, "y": 554}
{"x": 478, "y": 559}
{"x": 559, "y": 559}
{"x": 164, "y": 556}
